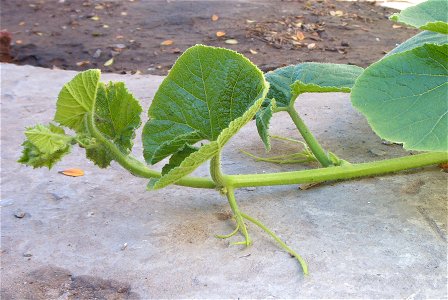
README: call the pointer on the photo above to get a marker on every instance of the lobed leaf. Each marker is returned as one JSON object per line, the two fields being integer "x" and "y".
{"x": 44, "y": 146}
{"x": 430, "y": 15}
{"x": 209, "y": 94}
{"x": 405, "y": 97}
{"x": 424, "y": 37}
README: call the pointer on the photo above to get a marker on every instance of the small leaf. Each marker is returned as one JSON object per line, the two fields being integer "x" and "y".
{"x": 215, "y": 18}
{"x": 404, "y": 97}
{"x": 45, "y": 145}
{"x": 109, "y": 62}
{"x": 76, "y": 99}
{"x": 429, "y": 15}
{"x": 167, "y": 43}
{"x": 72, "y": 172}
{"x": 95, "y": 18}
{"x": 231, "y": 42}
{"x": 220, "y": 33}
{"x": 253, "y": 51}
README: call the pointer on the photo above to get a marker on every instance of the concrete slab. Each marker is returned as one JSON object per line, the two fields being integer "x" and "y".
{"x": 104, "y": 236}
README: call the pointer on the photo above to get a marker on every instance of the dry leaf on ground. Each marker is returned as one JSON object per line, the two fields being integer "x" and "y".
{"x": 72, "y": 172}
{"x": 167, "y": 43}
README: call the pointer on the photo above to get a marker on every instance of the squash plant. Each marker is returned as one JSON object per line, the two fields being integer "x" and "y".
{"x": 211, "y": 93}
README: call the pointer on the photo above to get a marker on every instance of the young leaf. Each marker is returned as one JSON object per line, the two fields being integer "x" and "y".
{"x": 209, "y": 94}
{"x": 404, "y": 97}
{"x": 206, "y": 89}
{"x": 45, "y": 145}
{"x": 117, "y": 114}
{"x": 287, "y": 83}
{"x": 49, "y": 138}
{"x": 76, "y": 99}
{"x": 430, "y": 15}
{"x": 425, "y": 37}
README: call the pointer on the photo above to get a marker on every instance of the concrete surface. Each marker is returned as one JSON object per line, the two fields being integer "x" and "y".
{"x": 104, "y": 236}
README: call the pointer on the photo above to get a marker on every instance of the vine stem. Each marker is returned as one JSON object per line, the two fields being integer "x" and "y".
{"x": 309, "y": 138}
{"x": 278, "y": 240}
{"x": 140, "y": 169}
{"x": 347, "y": 171}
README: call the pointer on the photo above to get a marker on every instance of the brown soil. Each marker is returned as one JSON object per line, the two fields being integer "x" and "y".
{"x": 85, "y": 34}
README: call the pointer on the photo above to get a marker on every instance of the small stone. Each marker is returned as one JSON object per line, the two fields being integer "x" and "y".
{"x": 27, "y": 254}
{"x": 345, "y": 44}
{"x": 19, "y": 214}
{"x": 119, "y": 46}
{"x": 377, "y": 152}
{"x": 97, "y": 53}
{"x": 124, "y": 246}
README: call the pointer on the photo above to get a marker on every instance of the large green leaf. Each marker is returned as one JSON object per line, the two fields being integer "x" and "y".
{"x": 206, "y": 152}
{"x": 405, "y": 97}
{"x": 430, "y": 15}
{"x": 45, "y": 145}
{"x": 425, "y": 37}
{"x": 209, "y": 94}
{"x": 76, "y": 99}
{"x": 287, "y": 83}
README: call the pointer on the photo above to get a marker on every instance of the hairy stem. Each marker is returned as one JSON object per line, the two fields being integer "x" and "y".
{"x": 238, "y": 217}
{"x": 279, "y": 241}
{"x": 346, "y": 171}
{"x": 314, "y": 145}
{"x": 140, "y": 169}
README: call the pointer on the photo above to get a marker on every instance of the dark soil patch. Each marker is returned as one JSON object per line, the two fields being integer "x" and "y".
{"x": 85, "y": 34}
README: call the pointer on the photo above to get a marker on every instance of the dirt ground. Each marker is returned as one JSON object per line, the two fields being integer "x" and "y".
{"x": 85, "y": 34}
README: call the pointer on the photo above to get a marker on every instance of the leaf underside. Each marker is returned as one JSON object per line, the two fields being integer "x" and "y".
{"x": 425, "y": 37}
{"x": 209, "y": 94}
{"x": 287, "y": 83}
{"x": 430, "y": 15}
{"x": 405, "y": 97}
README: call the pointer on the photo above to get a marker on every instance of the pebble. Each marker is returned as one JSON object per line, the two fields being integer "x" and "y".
{"x": 19, "y": 214}
{"x": 27, "y": 254}
{"x": 97, "y": 53}
{"x": 377, "y": 152}
{"x": 119, "y": 46}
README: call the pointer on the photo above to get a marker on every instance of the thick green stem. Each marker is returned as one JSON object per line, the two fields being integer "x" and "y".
{"x": 314, "y": 145}
{"x": 138, "y": 168}
{"x": 278, "y": 240}
{"x": 338, "y": 173}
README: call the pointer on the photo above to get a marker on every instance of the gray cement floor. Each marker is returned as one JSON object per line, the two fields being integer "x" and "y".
{"x": 381, "y": 237}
